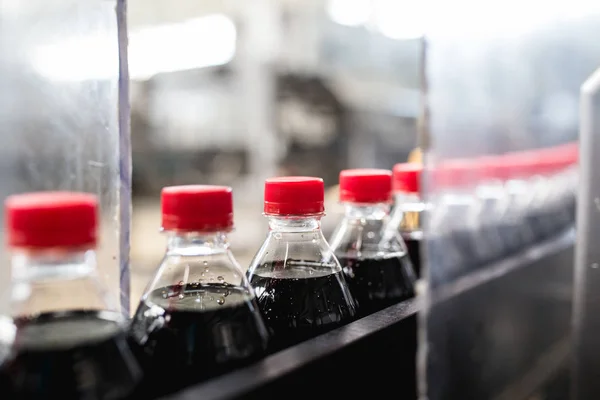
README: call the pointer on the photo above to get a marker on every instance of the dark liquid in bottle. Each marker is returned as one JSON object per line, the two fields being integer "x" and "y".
{"x": 72, "y": 355}
{"x": 377, "y": 283}
{"x": 5, "y": 345}
{"x": 414, "y": 252}
{"x": 302, "y": 301}
{"x": 192, "y": 332}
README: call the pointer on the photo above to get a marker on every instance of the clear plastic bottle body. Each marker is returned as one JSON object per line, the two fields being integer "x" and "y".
{"x": 299, "y": 283}
{"x": 42, "y": 278}
{"x": 374, "y": 258}
{"x": 453, "y": 234}
{"x": 567, "y": 180}
{"x": 198, "y": 317}
{"x": 493, "y": 239}
{"x": 60, "y": 311}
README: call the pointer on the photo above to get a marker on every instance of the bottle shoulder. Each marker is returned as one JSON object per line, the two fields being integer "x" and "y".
{"x": 297, "y": 255}
{"x": 367, "y": 239}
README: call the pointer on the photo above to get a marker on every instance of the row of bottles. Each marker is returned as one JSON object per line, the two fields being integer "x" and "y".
{"x": 202, "y": 314}
{"x": 484, "y": 209}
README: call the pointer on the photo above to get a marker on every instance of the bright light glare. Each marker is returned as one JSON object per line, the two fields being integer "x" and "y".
{"x": 92, "y": 57}
{"x": 349, "y": 12}
{"x": 399, "y": 19}
{"x": 196, "y": 43}
{"x": 473, "y": 19}
{"x": 476, "y": 19}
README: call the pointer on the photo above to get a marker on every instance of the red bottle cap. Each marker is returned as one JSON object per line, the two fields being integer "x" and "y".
{"x": 454, "y": 174}
{"x": 197, "y": 208}
{"x": 294, "y": 195}
{"x": 407, "y": 177}
{"x": 491, "y": 168}
{"x": 51, "y": 219}
{"x": 366, "y": 185}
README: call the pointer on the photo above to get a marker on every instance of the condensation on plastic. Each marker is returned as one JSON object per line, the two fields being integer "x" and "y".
{"x": 503, "y": 77}
{"x": 64, "y": 116}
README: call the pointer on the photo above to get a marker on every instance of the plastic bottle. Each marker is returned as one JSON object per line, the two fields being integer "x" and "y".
{"x": 373, "y": 256}
{"x": 68, "y": 344}
{"x": 494, "y": 226}
{"x": 198, "y": 317}
{"x": 299, "y": 283}
{"x": 407, "y": 214}
{"x": 453, "y": 234}
{"x": 530, "y": 192}
{"x": 559, "y": 166}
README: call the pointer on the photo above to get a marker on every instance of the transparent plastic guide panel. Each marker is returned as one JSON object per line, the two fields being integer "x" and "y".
{"x": 499, "y": 237}
{"x": 587, "y": 279}
{"x": 59, "y": 110}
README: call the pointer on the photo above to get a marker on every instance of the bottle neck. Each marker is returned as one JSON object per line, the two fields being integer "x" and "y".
{"x": 56, "y": 280}
{"x": 52, "y": 264}
{"x": 376, "y": 211}
{"x": 197, "y": 243}
{"x": 406, "y": 198}
{"x": 295, "y": 223}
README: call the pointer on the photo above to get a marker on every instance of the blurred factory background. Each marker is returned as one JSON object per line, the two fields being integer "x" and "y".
{"x": 231, "y": 92}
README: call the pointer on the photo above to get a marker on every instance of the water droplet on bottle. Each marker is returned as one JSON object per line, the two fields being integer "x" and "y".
{"x": 220, "y": 278}
{"x": 203, "y": 274}
{"x": 212, "y": 279}
{"x": 227, "y": 293}
{"x": 220, "y": 301}
{"x": 164, "y": 295}
{"x": 181, "y": 296}
{"x": 277, "y": 235}
{"x": 180, "y": 283}
{"x": 205, "y": 263}
{"x": 206, "y": 269}
{"x": 310, "y": 271}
